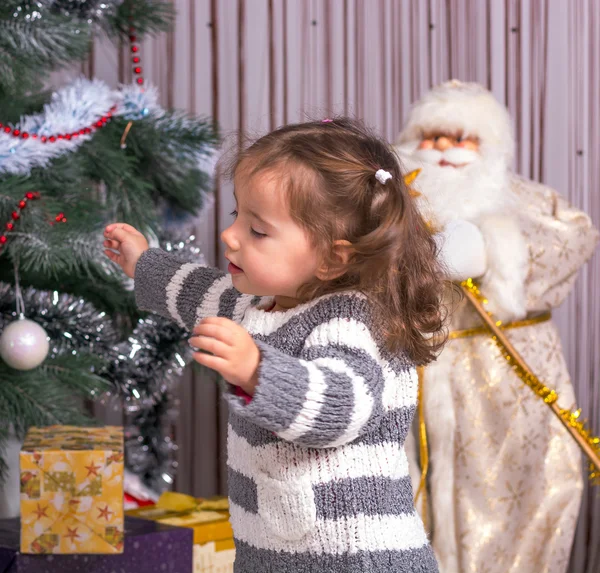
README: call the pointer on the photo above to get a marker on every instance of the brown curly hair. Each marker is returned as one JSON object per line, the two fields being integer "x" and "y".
{"x": 329, "y": 168}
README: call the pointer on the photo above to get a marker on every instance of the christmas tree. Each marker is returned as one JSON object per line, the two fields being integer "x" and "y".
{"x": 71, "y": 161}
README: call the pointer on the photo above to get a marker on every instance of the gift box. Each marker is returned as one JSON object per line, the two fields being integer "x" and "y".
{"x": 149, "y": 547}
{"x": 72, "y": 490}
{"x": 214, "y": 550}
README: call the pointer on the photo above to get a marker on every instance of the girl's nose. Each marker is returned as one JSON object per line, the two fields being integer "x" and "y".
{"x": 229, "y": 238}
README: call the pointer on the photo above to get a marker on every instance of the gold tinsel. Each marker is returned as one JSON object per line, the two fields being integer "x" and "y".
{"x": 582, "y": 428}
{"x": 523, "y": 373}
{"x": 589, "y": 443}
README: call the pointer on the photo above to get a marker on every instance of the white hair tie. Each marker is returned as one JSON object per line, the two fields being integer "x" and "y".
{"x": 382, "y": 176}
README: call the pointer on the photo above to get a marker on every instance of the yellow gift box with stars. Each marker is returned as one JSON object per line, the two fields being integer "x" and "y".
{"x": 72, "y": 490}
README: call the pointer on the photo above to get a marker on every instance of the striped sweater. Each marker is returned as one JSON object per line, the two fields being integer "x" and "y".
{"x": 318, "y": 476}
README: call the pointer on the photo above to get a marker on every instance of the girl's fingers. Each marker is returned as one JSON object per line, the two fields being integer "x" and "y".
{"x": 110, "y": 244}
{"x": 217, "y": 331}
{"x": 122, "y": 226}
{"x": 116, "y": 235}
{"x": 221, "y": 320}
{"x": 210, "y": 344}
{"x": 112, "y": 255}
{"x": 209, "y": 361}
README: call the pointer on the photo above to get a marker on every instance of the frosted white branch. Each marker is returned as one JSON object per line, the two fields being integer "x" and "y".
{"x": 72, "y": 108}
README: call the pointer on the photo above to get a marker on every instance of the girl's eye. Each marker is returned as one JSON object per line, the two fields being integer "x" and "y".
{"x": 257, "y": 234}
{"x": 233, "y": 213}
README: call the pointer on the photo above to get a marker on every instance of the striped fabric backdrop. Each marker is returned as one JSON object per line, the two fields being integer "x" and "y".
{"x": 257, "y": 64}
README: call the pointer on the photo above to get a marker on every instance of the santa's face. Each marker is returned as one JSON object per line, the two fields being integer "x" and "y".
{"x": 448, "y": 149}
{"x": 460, "y": 178}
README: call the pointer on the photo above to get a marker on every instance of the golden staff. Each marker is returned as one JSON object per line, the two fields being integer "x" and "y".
{"x": 589, "y": 443}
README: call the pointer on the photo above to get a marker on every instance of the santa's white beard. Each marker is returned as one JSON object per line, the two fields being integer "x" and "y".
{"x": 457, "y": 156}
{"x": 478, "y": 188}
{"x": 480, "y": 193}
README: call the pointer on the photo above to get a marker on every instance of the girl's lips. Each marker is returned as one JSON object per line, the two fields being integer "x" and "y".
{"x": 234, "y": 269}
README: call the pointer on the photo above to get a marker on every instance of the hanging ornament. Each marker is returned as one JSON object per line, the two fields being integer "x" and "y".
{"x": 24, "y": 344}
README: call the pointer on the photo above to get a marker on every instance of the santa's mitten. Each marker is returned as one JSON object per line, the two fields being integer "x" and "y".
{"x": 503, "y": 284}
{"x": 462, "y": 250}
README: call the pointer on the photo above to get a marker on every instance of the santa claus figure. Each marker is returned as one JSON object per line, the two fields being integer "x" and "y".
{"x": 505, "y": 480}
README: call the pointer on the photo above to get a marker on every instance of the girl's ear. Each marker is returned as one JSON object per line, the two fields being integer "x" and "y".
{"x": 341, "y": 251}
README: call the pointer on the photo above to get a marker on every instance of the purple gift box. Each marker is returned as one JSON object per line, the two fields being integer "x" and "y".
{"x": 150, "y": 547}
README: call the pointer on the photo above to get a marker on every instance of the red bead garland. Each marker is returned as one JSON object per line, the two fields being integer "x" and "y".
{"x": 68, "y": 136}
{"x": 137, "y": 69}
{"x": 15, "y": 215}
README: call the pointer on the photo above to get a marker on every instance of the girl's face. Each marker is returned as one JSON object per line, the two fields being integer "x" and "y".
{"x": 269, "y": 253}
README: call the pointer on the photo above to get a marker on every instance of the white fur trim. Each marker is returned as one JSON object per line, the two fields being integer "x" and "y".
{"x": 210, "y": 303}
{"x": 174, "y": 288}
{"x": 335, "y": 536}
{"x": 462, "y": 250}
{"x": 351, "y": 461}
{"x": 439, "y": 405}
{"x": 466, "y": 107}
{"x": 312, "y": 405}
{"x": 400, "y": 390}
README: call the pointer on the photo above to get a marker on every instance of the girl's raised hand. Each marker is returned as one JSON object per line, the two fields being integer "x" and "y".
{"x": 124, "y": 245}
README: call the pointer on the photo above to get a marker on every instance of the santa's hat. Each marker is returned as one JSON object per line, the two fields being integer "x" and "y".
{"x": 465, "y": 107}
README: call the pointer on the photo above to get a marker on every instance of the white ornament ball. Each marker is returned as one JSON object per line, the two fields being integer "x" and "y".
{"x": 24, "y": 344}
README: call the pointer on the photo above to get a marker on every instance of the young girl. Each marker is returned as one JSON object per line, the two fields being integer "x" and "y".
{"x": 332, "y": 297}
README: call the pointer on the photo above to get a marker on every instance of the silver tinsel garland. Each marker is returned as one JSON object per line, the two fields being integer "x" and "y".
{"x": 86, "y": 10}
{"x": 147, "y": 365}
{"x": 151, "y": 452}
{"x": 71, "y": 323}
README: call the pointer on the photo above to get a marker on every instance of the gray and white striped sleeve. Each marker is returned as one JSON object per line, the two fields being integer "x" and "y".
{"x": 328, "y": 396}
{"x": 185, "y": 292}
